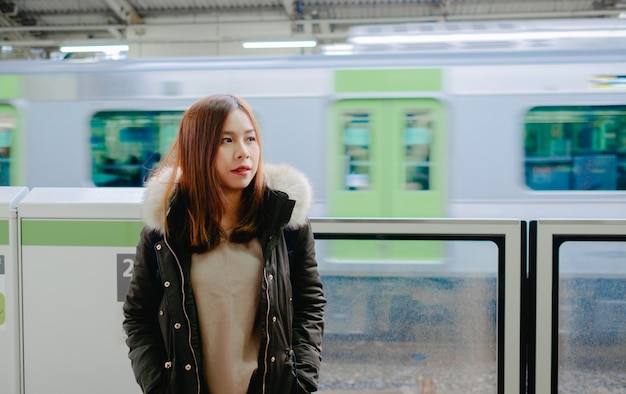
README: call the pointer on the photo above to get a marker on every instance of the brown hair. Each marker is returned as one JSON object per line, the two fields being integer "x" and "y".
{"x": 192, "y": 158}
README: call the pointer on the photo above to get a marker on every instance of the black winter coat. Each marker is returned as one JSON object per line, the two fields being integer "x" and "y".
{"x": 160, "y": 315}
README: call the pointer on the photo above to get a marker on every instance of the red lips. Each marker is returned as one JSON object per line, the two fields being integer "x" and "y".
{"x": 241, "y": 169}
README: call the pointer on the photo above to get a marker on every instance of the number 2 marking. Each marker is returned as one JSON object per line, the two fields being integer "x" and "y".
{"x": 128, "y": 272}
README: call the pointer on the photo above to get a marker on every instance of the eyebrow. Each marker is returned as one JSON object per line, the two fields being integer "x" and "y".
{"x": 245, "y": 132}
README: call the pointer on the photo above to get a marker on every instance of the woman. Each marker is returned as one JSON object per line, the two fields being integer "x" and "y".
{"x": 220, "y": 302}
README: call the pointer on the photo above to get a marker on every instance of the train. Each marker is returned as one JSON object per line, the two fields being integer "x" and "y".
{"x": 504, "y": 126}
{"x": 516, "y": 119}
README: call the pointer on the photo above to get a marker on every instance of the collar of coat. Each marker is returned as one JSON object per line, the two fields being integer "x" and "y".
{"x": 281, "y": 177}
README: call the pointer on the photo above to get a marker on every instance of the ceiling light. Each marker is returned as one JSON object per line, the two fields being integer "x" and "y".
{"x": 93, "y": 48}
{"x": 478, "y": 37}
{"x": 338, "y": 49}
{"x": 279, "y": 44}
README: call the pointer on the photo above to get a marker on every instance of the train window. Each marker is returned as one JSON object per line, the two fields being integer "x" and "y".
{"x": 356, "y": 140}
{"x": 7, "y": 126}
{"x": 126, "y": 145}
{"x": 575, "y": 148}
{"x": 417, "y": 139}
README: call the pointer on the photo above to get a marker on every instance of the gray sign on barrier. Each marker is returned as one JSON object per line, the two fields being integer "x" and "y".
{"x": 125, "y": 263}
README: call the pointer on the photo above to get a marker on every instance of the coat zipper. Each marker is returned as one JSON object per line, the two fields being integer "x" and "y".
{"x": 267, "y": 332}
{"x": 182, "y": 290}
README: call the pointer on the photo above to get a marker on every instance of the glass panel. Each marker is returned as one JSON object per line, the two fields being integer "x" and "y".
{"x": 592, "y": 317}
{"x": 126, "y": 145}
{"x": 576, "y": 148}
{"x": 411, "y": 327}
{"x": 356, "y": 140}
{"x": 7, "y": 125}
{"x": 417, "y": 140}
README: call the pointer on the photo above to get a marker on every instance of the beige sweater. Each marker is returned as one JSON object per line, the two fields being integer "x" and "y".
{"x": 226, "y": 283}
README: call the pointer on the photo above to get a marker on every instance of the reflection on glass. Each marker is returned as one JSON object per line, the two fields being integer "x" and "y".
{"x": 592, "y": 317}
{"x": 7, "y": 125}
{"x": 356, "y": 140}
{"x": 576, "y": 148}
{"x": 126, "y": 145}
{"x": 399, "y": 326}
{"x": 417, "y": 142}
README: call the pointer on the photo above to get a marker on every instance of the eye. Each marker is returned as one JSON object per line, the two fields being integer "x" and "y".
{"x": 251, "y": 138}
{"x": 226, "y": 139}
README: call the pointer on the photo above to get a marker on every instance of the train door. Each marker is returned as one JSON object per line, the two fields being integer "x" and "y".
{"x": 9, "y": 89}
{"x": 389, "y": 161}
{"x": 8, "y": 124}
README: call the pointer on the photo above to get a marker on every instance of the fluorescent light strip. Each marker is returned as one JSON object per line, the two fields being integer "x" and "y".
{"x": 279, "y": 44}
{"x": 93, "y": 48}
{"x": 414, "y": 39}
{"x": 338, "y": 49}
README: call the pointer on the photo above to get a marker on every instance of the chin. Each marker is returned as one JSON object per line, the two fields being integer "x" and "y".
{"x": 239, "y": 186}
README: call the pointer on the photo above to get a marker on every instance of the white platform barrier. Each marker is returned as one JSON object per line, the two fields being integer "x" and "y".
{"x": 10, "y": 381}
{"x": 66, "y": 258}
{"x": 77, "y": 246}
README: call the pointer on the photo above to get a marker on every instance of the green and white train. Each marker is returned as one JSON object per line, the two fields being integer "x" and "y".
{"x": 507, "y": 125}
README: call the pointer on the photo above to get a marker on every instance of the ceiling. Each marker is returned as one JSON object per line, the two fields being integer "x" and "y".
{"x": 34, "y": 28}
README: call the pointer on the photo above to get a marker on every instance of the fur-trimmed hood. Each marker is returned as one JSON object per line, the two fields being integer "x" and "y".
{"x": 280, "y": 177}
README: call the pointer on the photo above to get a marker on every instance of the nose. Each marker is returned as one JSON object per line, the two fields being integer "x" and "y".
{"x": 242, "y": 151}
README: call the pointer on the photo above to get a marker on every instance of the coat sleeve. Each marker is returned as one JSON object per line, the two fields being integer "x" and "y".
{"x": 308, "y": 305}
{"x": 144, "y": 339}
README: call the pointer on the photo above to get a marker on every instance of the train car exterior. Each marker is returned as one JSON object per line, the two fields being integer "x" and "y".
{"x": 378, "y": 135}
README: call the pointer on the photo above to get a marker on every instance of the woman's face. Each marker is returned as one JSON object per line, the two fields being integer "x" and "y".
{"x": 237, "y": 158}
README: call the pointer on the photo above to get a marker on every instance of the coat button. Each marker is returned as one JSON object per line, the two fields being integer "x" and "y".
{"x": 161, "y": 312}
{"x": 270, "y": 277}
{"x": 273, "y": 319}
{"x": 158, "y": 247}
{"x": 177, "y": 326}
{"x": 168, "y": 365}
{"x": 273, "y": 359}
{"x": 188, "y": 367}
{"x": 166, "y": 283}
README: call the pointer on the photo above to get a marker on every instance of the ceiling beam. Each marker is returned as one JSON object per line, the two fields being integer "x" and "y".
{"x": 125, "y": 11}
{"x": 9, "y": 23}
{"x": 344, "y": 21}
{"x": 16, "y": 36}
{"x": 288, "y": 6}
